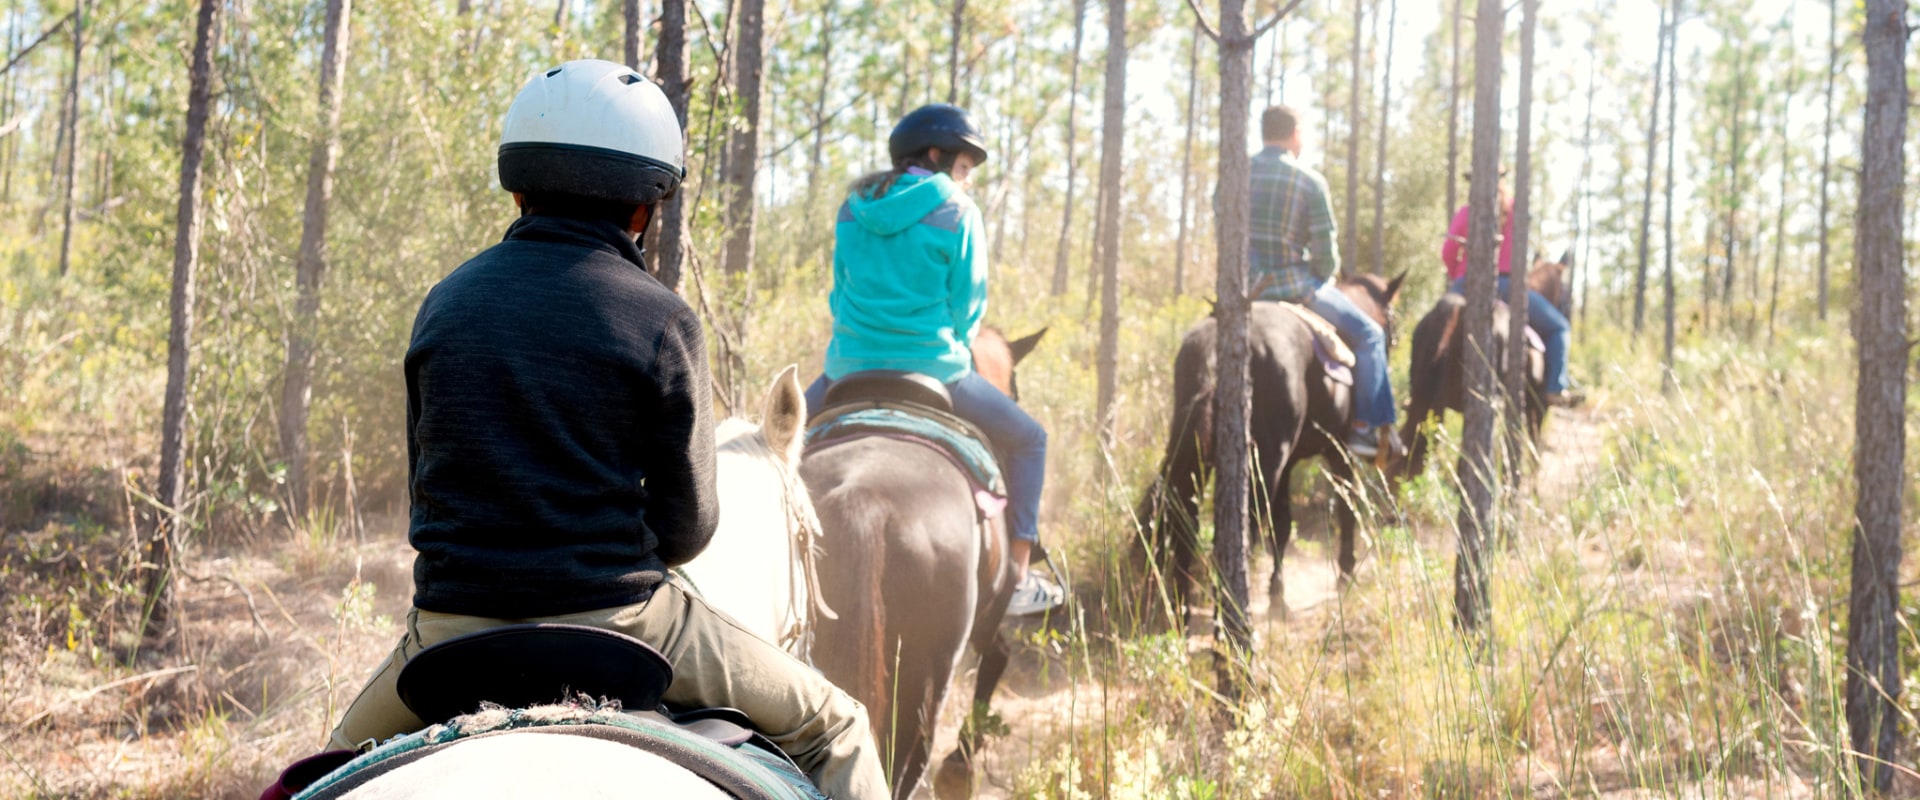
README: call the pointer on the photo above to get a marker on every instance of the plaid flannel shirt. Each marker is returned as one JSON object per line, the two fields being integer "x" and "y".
{"x": 1291, "y": 242}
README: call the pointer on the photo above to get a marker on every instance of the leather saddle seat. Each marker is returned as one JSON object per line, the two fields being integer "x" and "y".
{"x": 522, "y": 665}
{"x": 890, "y": 385}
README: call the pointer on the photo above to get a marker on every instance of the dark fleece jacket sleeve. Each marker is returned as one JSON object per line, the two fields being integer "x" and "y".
{"x": 682, "y": 507}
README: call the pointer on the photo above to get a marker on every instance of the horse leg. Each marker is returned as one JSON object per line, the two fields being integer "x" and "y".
{"x": 1415, "y": 436}
{"x": 1344, "y": 488}
{"x": 1183, "y": 531}
{"x": 956, "y": 775}
{"x": 1278, "y": 537}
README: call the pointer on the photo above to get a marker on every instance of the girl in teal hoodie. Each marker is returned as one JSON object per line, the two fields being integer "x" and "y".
{"x": 909, "y": 291}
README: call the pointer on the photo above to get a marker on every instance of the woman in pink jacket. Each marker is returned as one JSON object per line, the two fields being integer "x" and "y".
{"x": 1542, "y": 316}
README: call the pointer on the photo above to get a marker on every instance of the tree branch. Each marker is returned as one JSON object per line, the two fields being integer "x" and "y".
{"x": 1200, "y": 19}
{"x": 36, "y": 43}
{"x": 808, "y": 133}
{"x": 1277, "y": 16}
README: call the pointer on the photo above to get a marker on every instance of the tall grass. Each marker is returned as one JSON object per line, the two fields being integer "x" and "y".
{"x": 1667, "y": 617}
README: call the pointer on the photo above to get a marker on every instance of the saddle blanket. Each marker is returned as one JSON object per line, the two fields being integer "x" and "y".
{"x": 1332, "y": 351}
{"x": 966, "y": 451}
{"x": 1325, "y": 336}
{"x": 741, "y": 768}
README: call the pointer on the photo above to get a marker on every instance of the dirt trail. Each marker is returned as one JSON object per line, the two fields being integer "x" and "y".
{"x": 1041, "y": 701}
{"x": 1039, "y": 711}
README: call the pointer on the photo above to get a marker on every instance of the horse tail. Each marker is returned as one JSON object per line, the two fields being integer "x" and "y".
{"x": 863, "y": 609}
{"x": 1167, "y": 509}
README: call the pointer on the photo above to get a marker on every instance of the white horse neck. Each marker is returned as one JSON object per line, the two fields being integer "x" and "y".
{"x": 751, "y": 569}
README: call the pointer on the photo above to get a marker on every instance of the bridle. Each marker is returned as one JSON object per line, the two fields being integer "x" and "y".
{"x": 805, "y": 537}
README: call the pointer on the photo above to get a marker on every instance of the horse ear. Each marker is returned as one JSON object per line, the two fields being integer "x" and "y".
{"x": 784, "y": 414}
{"x": 1023, "y": 346}
{"x": 1393, "y": 286}
{"x": 1566, "y": 258}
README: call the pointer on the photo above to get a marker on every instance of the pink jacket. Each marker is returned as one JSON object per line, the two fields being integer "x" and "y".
{"x": 1453, "y": 252}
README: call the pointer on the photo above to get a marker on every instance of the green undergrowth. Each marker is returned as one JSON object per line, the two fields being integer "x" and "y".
{"x": 1667, "y": 618}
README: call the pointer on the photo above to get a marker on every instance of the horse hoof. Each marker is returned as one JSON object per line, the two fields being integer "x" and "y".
{"x": 1277, "y": 601}
{"x": 954, "y": 781}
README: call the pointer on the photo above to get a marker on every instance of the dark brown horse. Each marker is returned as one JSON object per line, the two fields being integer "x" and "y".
{"x": 1437, "y": 375}
{"x": 914, "y": 580}
{"x": 1298, "y": 413}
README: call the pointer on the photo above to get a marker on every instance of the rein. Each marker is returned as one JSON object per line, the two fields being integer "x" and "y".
{"x": 805, "y": 536}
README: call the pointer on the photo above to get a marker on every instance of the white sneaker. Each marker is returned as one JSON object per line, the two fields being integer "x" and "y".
{"x": 1034, "y": 595}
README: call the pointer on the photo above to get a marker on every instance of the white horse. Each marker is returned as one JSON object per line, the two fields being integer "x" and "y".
{"x": 759, "y": 566}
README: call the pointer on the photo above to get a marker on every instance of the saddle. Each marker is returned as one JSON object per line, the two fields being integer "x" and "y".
{"x": 914, "y": 408}
{"x": 1332, "y": 351}
{"x": 507, "y": 679}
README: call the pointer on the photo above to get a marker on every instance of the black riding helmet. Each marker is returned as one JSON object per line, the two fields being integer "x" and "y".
{"x": 941, "y": 125}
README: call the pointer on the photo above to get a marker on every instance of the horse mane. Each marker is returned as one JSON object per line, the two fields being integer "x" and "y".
{"x": 742, "y": 437}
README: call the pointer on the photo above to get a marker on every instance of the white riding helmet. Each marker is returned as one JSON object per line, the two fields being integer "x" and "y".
{"x": 593, "y": 129}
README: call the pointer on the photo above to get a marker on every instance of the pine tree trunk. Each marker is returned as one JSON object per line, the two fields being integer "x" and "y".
{"x": 815, "y": 159}
{"x": 1233, "y": 393}
{"x": 1073, "y": 147}
{"x": 1706, "y": 258}
{"x": 1010, "y": 164}
{"x": 630, "y": 38}
{"x": 1350, "y": 233}
{"x": 1736, "y": 157}
{"x": 1670, "y": 295}
{"x": 1874, "y": 625}
{"x": 1646, "y": 209}
{"x": 1786, "y": 171}
{"x": 676, "y": 80}
{"x": 959, "y": 25}
{"x": 1453, "y": 116}
{"x": 72, "y": 126}
{"x": 1826, "y": 148}
{"x": 748, "y": 54}
{"x": 1517, "y": 306}
{"x": 1186, "y": 164}
{"x": 1380, "y": 154}
{"x": 171, "y": 492}
{"x": 1113, "y": 130}
{"x": 10, "y": 146}
{"x": 296, "y": 393}
{"x": 1583, "y": 215}
{"x": 1476, "y": 475}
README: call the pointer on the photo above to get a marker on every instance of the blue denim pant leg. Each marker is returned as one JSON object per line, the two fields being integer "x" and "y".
{"x": 1372, "y": 392}
{"x": 817, "y": 395}
{"x": 1021, "y": 442}
{"x": 1555, "y": 332}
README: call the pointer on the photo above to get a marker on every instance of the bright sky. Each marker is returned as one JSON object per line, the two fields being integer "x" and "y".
{"x": 1561, "y": 60}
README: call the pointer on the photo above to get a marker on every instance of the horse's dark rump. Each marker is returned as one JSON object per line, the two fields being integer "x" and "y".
{"x": 1297, "y": 413}
{"x": 903, "y": 569}
{"x": 1437, "y": 374}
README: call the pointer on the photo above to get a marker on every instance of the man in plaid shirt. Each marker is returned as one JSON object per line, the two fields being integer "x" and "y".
{"x": 1293, "y": 260}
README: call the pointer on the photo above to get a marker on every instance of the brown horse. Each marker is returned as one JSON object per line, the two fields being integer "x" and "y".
{"x": 914, "y": 579}
{"x": 1437, "y": 375}
{"x": 1298, "y": 413}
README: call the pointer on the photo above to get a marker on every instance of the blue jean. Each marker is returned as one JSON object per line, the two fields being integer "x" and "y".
{"x": 1547, "y": 321}
{"x": 1372, "y": 392}
{"x": 1014, "y": 434}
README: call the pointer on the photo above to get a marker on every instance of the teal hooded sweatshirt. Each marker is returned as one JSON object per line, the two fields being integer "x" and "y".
{"x": 909, "y": 280}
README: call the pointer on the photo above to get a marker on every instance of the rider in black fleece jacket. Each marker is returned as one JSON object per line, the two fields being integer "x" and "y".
{"x": 559, "y": 431}
{"x": 560, "y": 437}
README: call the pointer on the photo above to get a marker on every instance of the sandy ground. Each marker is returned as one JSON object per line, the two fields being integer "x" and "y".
{"x": 285, "y": 649}
{"x": 1039, "y": 711}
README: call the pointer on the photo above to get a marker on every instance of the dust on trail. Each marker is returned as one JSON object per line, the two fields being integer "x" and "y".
{"x": 1041, "y": 702}
{"x": 82, "y": 743}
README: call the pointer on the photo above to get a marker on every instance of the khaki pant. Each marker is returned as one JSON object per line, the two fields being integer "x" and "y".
{"x": 715, "y": 663}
